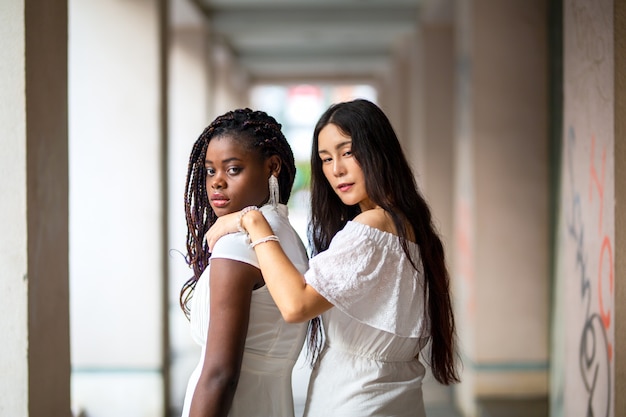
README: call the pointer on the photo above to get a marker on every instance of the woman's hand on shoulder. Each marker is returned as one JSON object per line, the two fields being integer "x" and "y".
{"x": 252, "y": 221}
{"x": 228, "y": 223}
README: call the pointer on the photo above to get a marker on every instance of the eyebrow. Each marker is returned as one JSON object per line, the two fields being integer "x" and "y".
{"x": 339, "y": 146}
{"x": 225, "y": 161}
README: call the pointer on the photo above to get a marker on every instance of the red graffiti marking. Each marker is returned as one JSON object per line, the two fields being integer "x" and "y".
{"x": 606, "y": 315}
{"x": 594, "y": 349}
{"x": 607, "y": 248}
{"x": 594, "y": 178}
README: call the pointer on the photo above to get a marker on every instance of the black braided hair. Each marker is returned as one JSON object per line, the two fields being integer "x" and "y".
{"x": 257, "y": 131}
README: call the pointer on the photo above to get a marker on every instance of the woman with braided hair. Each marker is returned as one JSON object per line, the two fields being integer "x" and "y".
{"x": 248, "y": 351}
{"x": 378, "y": 275}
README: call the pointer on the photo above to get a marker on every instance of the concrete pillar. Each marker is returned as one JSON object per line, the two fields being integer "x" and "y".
{"x": 415, "y": 105}
{"x": 13, "y": 242}
{"x": 619, "y": 20}
{"x": 429, "y": 146}
{"x": 34, "y": 355}
{"x": 189, "y": 113}
{"x": 405, "y": 81}
{"x": 501, "y": 270}
{"x": 394, "y": 96}
{"x": 438, "y": 125}
{"x": 117, "y": 206}
{"x": 229, "y": 83}
{"x": 584, "y": 347}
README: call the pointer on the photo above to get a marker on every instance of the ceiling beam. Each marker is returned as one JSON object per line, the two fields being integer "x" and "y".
{"x": 312, "y": 38}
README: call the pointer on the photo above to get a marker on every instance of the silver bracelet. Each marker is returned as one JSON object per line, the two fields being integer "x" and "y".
{"x": 240, "y": 217}
{"x": 270, "y": 238}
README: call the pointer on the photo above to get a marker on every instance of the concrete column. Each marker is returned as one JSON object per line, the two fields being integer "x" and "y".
{"x": 584, "y": 348}
{"x": 117, "y": 204}
{"x": 34, "y": 357}
{"x": 619, "y": 19}
{"x": 501, "y": 268}
{"x": 429, "y": 145}
{"x": 394, "y": 95}
{"x": 13, "y": 241}
{"x": 438, "y": 125}
{"x": 189, "y": 113}
{"x": 405, "y": 81}
{"x": 415, "y": 106}
{"x": 229, "y": 83}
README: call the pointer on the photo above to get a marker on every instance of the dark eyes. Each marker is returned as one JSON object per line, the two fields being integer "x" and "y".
{"x": 230, "y": 171}
{"x": 345, "y": 154}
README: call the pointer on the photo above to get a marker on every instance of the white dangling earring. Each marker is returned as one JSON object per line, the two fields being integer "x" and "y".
{"x": 274, "y": 191}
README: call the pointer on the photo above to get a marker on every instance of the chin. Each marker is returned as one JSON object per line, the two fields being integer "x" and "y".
{"x": 349, "y": 202}
{"x": 221, "y": 211}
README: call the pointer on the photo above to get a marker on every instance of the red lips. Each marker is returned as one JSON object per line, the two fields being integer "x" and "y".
{"x": 343, "y": 187}
{"x": 218, "y": 200}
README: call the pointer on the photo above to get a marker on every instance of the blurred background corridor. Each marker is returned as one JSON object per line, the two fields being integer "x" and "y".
{"x": 508, "y": 110}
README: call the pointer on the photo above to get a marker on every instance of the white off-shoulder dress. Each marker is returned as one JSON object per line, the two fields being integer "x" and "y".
{"x": 272, "y": 345}
{"x": 368, "y": 366}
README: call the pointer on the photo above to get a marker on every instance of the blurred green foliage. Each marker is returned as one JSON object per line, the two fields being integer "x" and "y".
{"x": 303, "y": 176}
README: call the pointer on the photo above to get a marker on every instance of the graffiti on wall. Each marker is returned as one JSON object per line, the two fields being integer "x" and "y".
{"x": 585, "y": 325}
{"x": 592, "y": 247}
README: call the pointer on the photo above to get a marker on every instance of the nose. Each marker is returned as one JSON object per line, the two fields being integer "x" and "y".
{"x": 338, "y": 168}
{"x": 216, "y": 182}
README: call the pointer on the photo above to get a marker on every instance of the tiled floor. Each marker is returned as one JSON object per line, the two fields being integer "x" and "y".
{"x": 442, "y": 411}
{"x": 514, "y": 407}
{"x": 527, "y": 407}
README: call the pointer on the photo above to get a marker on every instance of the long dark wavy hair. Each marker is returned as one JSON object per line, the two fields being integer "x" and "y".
{"x": 259, "y": 132}
{"x": 390, "y": 183}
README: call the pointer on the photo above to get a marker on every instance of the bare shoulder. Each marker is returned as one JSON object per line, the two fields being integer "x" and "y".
{"x": 377, "y": 218}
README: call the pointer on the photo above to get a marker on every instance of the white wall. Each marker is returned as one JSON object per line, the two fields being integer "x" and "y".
{"x": 34, "y": 355}
{"x": 116, "y": 225}
{"x": 13, "y": 251}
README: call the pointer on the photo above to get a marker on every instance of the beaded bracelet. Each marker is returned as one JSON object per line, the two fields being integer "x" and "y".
{"x": 270, "y": 238}
{"x": 240, "y": 217}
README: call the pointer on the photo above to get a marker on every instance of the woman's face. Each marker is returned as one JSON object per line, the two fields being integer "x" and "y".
{"x": 236, "y": 177}
{"x": 341, "y": 169}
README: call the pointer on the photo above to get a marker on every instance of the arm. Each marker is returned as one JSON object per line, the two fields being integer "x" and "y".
{"x": 232, "y": 283}
{"x": 297, "y": 301}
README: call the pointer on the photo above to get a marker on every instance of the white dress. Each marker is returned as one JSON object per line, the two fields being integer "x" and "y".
{"x": 272, "y": 345}
{"x": 368, "y": 365}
